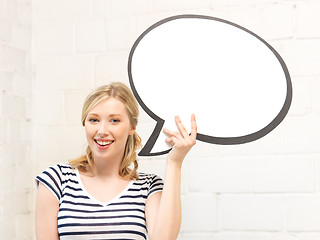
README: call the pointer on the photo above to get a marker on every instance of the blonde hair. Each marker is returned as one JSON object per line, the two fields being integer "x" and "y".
{"x": 122, "y": 93}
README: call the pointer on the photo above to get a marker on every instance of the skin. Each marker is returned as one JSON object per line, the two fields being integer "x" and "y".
{"x": 163, "y": 209}
{"x": 109, "y": 121}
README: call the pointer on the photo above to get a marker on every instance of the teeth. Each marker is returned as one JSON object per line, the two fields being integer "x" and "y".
{"x": 103, "y": 143}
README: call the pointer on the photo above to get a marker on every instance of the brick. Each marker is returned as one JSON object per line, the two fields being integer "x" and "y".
{"x": 11, "y": 10}
{"x": 309, "y": 236}
{"x": 111, "y": 67}
{"x": 25, "y": 13}
{"x": 143, "y": 116}
{"x": 167, "y": 5}
{"x": 102, "y": 8}
{"x": 316, "y": 97}
{"x": 6, "y": 176}
{"x": 31, "y": 196}
{"x": 64, "y": 73}
{"x": 24, "y": 231}
{"x": 219, "y": 175}
{"x": 203, "y": 150}
{"x": 7, "y": 227}
{"x": 73, "y": 107}
{"x": 5, "y": 81}
{"x": 250, "y": 212}
{"x": 49, "y": 108}
{"x": 303, "y": 212}
{"x": 61, "y": 10}
{"x": 307, "y": 19}
{"x": 218, "y": 12}
{"x": 90, "y": 36}
{"x": 151, "y": 165}
{"x": 300, "y": 135}
{"x": 15, "y": 203}
{"x": 144, "y": 130}
{"x": 283, "y": 174}
{"x": 5, "y": 30}
{"x": 3, "y": 130}
{"x": 54, "y": 38}
{"x": 28, "y": 107}
{"x": 57, "y": 144}
{"x": 302, "y": 96}
{"x": 249, "y": 17}
{"x": 255, "y": 236}
{"x": 22, "y": 84}
{"x": 22, "y": 37}
{"x": 269, "y": 144}
{"x": 13, "y": 106}
{"x": 203, "y": 217}
{"x": 14, "y": 131}
{"x": 198, "y": 236}
{"x": 10, "y": 203}
{"x": 12, "y": 58}
{"x": 278, "y": 21}
{"x": 300, "y": 56}
{"x": 1, "y": 205}
{"x": 120, "y": 33}
{"x": 10, "y": 152}
{"x": 128, "y": 7}
{"x": 144, "y": 21}
{"x": 235, "y": 2}
{"x": 22, "y": 172}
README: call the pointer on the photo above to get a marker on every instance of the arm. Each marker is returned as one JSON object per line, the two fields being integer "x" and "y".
{"x": 47, "y": 207}
{"x": 163, "y": 210}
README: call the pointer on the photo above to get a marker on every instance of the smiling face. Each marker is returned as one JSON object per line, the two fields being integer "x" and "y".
{"x": 107, "y": 128}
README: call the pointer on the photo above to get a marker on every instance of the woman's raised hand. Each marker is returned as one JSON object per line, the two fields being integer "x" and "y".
{"x": 181, "y": 141}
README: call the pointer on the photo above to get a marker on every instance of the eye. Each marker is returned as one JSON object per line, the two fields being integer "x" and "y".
{"x": 114, "y": 120}
{"x": 93, "y": 120}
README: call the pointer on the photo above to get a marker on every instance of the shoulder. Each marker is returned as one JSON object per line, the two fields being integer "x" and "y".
{"x": 65, "y": 169}
{"x": 54, "y": 177}
{"x": 152, "y": 182}
{"x": 57, "y": 171}
{"x": 147, "y": 177}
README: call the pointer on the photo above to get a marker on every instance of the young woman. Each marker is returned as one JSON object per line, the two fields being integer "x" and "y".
{"x": 100, "y": 195}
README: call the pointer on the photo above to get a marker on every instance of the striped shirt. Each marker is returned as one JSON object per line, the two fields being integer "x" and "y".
{"x": 81, "y": 216}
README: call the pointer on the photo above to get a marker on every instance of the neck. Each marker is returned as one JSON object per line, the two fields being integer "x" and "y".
{"x": 103, "y": 168}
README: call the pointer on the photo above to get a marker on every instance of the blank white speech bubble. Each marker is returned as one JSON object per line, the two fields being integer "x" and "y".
{"x": 237, "y": 85}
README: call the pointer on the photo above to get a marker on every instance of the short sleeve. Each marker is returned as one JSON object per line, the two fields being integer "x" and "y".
{"x": 156, "y": 185}
{"x": 51, "y": 178}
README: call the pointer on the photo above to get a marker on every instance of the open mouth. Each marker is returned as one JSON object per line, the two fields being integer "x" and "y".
{"x": 103, "y": 143}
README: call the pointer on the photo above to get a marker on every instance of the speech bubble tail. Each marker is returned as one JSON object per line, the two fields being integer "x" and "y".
{"x": 155, "y": 142}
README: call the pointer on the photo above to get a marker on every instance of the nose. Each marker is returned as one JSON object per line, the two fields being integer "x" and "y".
{"x": 103, "y": 129}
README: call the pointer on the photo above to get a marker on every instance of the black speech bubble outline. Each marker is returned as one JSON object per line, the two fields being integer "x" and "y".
{"x": 146, "y": 150}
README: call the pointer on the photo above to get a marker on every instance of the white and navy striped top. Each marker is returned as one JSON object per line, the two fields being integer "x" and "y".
{"x": 83, "y": 217}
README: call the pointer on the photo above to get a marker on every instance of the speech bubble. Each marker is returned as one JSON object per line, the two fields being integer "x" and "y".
{"x": 237, "y": 85}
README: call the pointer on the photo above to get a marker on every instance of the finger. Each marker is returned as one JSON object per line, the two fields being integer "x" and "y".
{"x": 181, "y": 128}
{"x": 170, "y": 141}
{"x": 172, "y": 133}
{"x": 193, "y": 127}
{"x": 173, "y": 141}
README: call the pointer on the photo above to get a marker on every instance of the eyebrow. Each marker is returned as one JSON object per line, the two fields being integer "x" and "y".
{"x": 111, "y": 115}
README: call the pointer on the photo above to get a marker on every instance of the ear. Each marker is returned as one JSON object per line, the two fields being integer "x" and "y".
{"x": 132, "y": 131}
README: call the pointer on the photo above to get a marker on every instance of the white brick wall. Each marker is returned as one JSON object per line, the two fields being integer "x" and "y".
{"x": 307, "y": 17}
{"x": 262, "y": 212}
{"x": 199, "y": 213}
{"x": 17, "y": 165}
{"x": 90, "y": 36}
{"x": 303, "y": 212}
{"x": 58, "y": 35}
{"x": 68, "y": 72}
{"x": 52, "y": 53}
